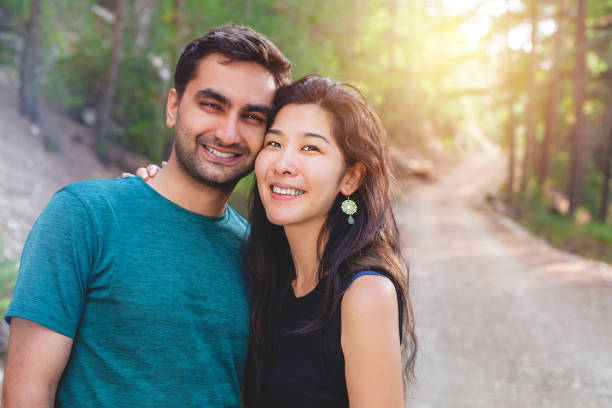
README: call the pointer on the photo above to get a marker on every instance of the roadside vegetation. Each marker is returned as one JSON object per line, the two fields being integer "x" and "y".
{"x": 579, "y": 234}
{"x": 8, "y": 275}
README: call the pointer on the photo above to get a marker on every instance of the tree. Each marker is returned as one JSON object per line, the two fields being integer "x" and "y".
{"x": 579, "y": 133}
{"x": 27, "y": 100}
{"x": 552, "y": 101}
{"x": 605, "y": 192}
{"x": 109, "y": 93}
{"x": 510, "y": 126}
{"x": 530, "y": 114}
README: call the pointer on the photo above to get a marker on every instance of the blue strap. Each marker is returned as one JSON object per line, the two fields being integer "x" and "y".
{"x": 399, "y": 297}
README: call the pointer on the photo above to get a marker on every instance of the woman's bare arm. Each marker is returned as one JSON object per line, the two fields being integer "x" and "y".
{"x": 371, "y": 344}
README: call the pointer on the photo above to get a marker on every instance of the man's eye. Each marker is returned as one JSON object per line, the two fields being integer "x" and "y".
{"x": 254, "y": 118}
{"x": 210, "y": 105}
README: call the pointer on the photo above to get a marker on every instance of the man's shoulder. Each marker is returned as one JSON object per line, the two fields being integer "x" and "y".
{"x": 236, "y": 218}
{"x": 91, "y": 191}
{"x": 237, "y": 223}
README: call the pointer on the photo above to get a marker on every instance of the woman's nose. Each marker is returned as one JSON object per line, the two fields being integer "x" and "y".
{"x": 285, "y": 163}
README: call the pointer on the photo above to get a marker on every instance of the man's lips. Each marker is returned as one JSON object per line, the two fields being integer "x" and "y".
{"x": 219, "y": 155}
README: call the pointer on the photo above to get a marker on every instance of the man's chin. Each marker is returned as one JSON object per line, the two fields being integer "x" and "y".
{"x": 226, "y": 181}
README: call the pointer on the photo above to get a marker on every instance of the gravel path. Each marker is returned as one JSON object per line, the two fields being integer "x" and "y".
{"x": 503, "y": 319}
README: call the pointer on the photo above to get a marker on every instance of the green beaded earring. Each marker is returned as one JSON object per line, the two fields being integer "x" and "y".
{"x": 349, "y": 207}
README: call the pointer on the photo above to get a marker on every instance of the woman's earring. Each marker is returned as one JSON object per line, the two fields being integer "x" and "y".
{"x": 349, "y": 207}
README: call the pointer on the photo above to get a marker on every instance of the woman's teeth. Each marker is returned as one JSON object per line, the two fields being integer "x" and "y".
{"x": 287, "y": 191}
{"x": 220, "y": 154}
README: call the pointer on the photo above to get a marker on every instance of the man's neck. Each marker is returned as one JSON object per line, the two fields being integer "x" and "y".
{"x": 174, "y": 184}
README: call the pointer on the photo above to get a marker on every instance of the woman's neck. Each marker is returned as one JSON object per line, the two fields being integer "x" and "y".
{"x": 303, "y": 242}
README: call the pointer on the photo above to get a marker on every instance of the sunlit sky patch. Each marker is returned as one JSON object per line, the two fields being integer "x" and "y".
{"x": 519, "y": 37}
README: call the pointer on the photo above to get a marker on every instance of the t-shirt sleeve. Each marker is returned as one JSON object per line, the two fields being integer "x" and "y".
{"x": 56, "y": 262}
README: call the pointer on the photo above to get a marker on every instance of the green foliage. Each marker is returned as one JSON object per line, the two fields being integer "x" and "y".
{"x": 143, "y": 123}
{"x": 8, "y": 275}
{"x": 240, "y": 197}
{"x": 592, "y": 239}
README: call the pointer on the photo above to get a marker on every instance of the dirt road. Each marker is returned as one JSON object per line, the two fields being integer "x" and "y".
{"x": 503, "y": 319}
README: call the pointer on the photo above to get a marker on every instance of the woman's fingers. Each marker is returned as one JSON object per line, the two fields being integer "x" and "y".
{"x": 142, "y": 173}
{"x": 148, "y": 172}
{"x": 152, "y": 170}
{"x": 124, "y": 175}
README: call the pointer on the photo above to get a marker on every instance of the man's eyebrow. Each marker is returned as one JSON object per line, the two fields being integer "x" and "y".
{"x": 211, "y": 93}
{"x": 264, "y": 109}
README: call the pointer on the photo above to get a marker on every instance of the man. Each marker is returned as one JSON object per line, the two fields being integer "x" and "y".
{"x": 131, "y": 294}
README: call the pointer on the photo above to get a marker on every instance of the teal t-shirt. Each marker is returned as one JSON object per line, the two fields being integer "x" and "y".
{"x": 152, "y": 294}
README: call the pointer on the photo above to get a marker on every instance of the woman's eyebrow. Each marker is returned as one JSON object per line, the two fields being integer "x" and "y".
{"x": 305, "y": 134}
{"x": 275, "y": 132}
{"x": 311, "y": 134}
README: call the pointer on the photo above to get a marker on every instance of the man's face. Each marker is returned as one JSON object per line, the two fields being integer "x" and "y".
{"x": 220, "y": 120}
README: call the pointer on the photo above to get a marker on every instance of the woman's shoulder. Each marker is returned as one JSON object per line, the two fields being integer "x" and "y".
{"x": 369, "y": 295}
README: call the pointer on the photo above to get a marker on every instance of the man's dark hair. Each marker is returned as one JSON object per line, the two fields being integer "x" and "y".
{"x": 236, "y": 43}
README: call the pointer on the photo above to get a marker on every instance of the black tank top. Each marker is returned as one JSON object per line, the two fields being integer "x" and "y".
{"x": 308, "y": 369}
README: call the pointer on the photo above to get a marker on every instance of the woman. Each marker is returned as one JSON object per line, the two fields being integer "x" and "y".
{"x": 331, "y": 317}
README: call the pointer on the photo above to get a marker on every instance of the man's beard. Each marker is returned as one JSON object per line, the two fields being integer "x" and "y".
{"x": 195, "y": 166}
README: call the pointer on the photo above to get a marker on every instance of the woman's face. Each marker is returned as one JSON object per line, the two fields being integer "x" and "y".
{"x": 300, "y": 169}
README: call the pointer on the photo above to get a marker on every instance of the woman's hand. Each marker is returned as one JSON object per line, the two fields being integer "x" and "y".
{"x": 146, "y": 173}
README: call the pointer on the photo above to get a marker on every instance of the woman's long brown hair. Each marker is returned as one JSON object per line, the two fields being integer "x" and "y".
{"x": 371, "y": 244}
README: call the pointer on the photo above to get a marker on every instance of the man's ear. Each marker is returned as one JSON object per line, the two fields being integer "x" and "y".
{"x": 171, "y": 108}
{"x": 352, "y": 179}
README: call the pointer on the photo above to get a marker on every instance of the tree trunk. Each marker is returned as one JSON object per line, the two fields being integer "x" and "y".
{"x": 607, "y": 165}
{"x": 174, "y": 55}
{"x": 511, "y": 152}
{"x": 176, "y": 32}
{"x": 27, "y": 100}
{"x": 109, "y": 94}
{"x": 511, "y": 126}
{"x": 248, "y": 7}
{"x": 579, "y": 133}
{"x": 552, "y": 103}
{"x": 530, "y": 114}
{"x": 143, "y": 10}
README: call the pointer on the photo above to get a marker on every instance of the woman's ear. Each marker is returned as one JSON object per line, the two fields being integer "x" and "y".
{"x": 352, "y": 179}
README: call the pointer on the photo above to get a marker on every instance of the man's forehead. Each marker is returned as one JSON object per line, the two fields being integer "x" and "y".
{"x": 241, "y": 82}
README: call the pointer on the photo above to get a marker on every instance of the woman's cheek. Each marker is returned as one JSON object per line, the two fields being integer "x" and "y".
{"x": 260, "y": 166}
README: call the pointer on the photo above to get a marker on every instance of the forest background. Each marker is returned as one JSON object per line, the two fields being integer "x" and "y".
{"x": 532, "y": 76}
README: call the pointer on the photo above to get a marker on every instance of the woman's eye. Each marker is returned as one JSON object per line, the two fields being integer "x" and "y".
{"x": 273, "y": 144}
{"x": 311, "y": 148}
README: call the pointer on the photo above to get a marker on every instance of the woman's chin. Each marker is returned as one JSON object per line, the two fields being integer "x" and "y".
{"x": 283, "y": 220}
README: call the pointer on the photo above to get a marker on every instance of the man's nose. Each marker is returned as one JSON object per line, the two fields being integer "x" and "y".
{"x": 227, "y": 130}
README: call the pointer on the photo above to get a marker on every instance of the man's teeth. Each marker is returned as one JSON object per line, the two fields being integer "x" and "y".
{"x": 287, "y": 191}
{"x": 220, "y": 154}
